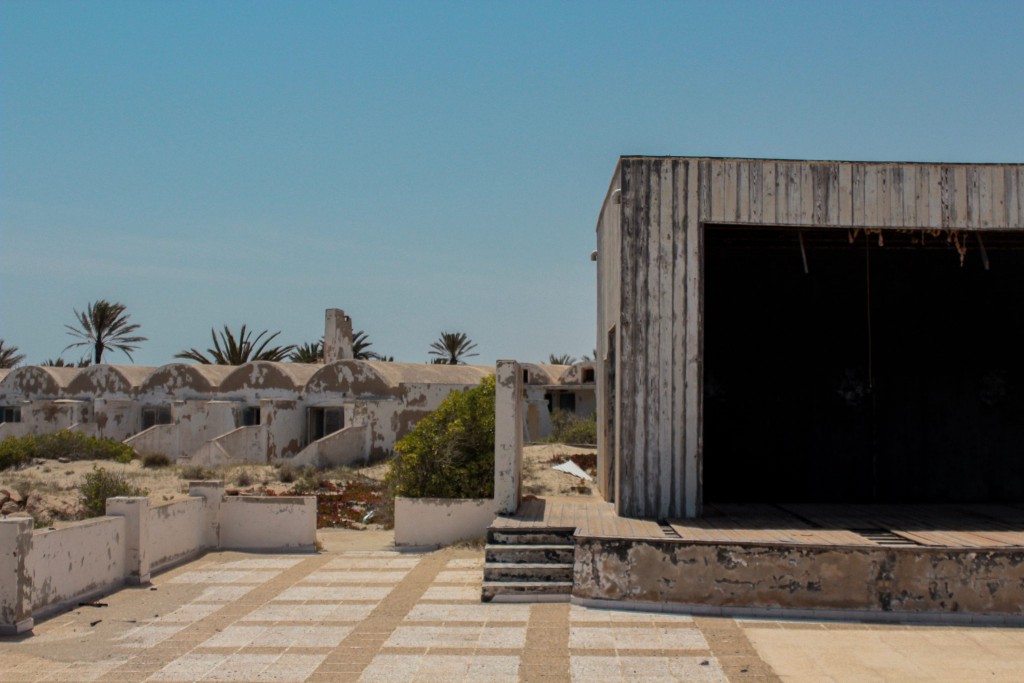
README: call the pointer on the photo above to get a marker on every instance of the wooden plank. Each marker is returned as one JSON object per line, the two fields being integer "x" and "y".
{"x": 962, "y": 195}
{"x": 806, "y": 181}
{"x": 947, "y": 195}
{"x": 661, "y": 213}
{"x": 717, "y": 191}
{"x": 909, "y": 195}
{"x": 883, "y": 216}
{"x": 832, "y": 196}
{"x": 922, "y": 210}
{"x": 704, "y": 189}
{"x": 986, "y": 198}
{"x": 860, "y": 214}
{"x": 769, "y": 188}
{"x": 997, "y": 218}
{"x": 666, "y": 371}
{"x": 1010, "y": 197}
{"x": 819, "y": 176}
{"x": 973, "y": 197}
{"x": 729, "y": 190}
{"x": 631, "y": 200}
{"x": 684, "y": 208}
{"x": 793, "y": 193}
{"x": 1020, "y": 197}
{"x": 934, "y": 197}
{"x": 756, "y": 173}
{"x": 895, "y": 196}
{"x": 845, "y": 198}
{"x": 742, "y": 192}
{"x": 691, "y": 289}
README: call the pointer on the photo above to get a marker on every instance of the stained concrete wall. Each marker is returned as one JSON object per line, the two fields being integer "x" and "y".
{"x": 48, "y": 416}
{"x": 346, "y": 446}
{"x": 176, "y": 532}
{"x": 44, "y": 571}
{"x": 284, "y": 421}
{"x": 440, "y": 521}
{"x": 912, "y": 580}
{"x": 268, "y": 523}
{"x": 84, "y": 559}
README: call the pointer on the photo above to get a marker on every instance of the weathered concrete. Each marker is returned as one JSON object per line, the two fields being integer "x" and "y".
{"x": 508, "y": 436}
{"x": 337, "y": 336}
{"x": 268, "y": 523}
{"x": 880, "y": 579}
{"x": 440, "y": 521}
{"x": 15, "y": 595}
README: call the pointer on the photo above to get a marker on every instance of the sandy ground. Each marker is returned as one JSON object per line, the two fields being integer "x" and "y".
{"x": 50, "y": 490}
{"x": 538, "y": 477}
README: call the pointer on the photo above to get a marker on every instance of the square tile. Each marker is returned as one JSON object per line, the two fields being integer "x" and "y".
{"x": 264, "y": 563}
{"x": 222, "y": 593}
{"x": 452, "y": 593}
{"x": 190, "y": 613}
{"x": 460, "y": 576}
{"x": 371, "y": 562}
{"x": 482, "y": 612}
{"x": 333, "y": 593}
{"x": 347, "y": 612}
{"x": 355, "y": 576}
{"x": 148, "y": 635}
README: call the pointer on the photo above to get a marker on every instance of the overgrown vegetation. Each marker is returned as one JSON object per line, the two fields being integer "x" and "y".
{"x": 98, "y": 485}
{"x": 195, "y": 473}
{"x": 15, "y": 451}
{"x": 450, "y": 453}
{"x": 570, "y": 428}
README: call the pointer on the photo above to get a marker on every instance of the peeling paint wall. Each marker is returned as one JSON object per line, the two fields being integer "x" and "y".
{"x": 802, "y": 577}
{"x": 87, "y": 557}
{"x": 175, "y": 532}
{"x": 346, "y": 446}
{"x": 284, "y": 422}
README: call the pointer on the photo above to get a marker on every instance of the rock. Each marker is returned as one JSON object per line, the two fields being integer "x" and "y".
{"x": 15, "y": 497}
{"x": 5, "y": 496}
{"x": 63, "y": 460}
{"x": 9, "y": 507}
{"x": 34, "y": 503}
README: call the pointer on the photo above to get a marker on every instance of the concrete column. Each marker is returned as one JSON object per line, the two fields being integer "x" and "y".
{"x": 135, "y": 511}
{"x": 213, "y": 492}
{"x": 15, "y": 580}
{"x": 508, "y": 436}
{"x": 337, "y": 336}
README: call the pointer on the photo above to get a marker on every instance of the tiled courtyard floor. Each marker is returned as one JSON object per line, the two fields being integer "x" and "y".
{"x": 363, "y": 612}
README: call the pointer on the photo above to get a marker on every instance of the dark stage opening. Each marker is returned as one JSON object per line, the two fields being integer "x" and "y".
{"x": 885, "y": 374}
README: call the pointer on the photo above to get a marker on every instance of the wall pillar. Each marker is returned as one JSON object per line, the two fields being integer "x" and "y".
{"x": 213, "y": 492}
{"x": 135, "y": 511}
{"x": 337, "y": 336}
{"x": 15, "y": 581}
{"x": 508, "y": 436}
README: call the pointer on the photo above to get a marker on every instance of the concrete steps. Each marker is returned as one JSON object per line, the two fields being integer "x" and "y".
{"x": 524, "y": 564}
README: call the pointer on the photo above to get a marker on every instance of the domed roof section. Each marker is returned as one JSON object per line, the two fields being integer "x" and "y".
{"x": 97, "y": 380}
{"x": 543, "y": 373}
{"x": 38, "y": 381}
{"x": 263, "y": 374}
{"x": 379, "y": 378}
{"x": 198, "y": 377}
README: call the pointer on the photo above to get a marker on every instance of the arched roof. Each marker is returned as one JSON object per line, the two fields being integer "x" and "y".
{"x": 37, "y": 381}
{"x": 196, "y": 376}
{"x": 267, "y": 375}
{"x": 377, "y": 378}
{"x": 109, "y": 379}
{"x": 544, "y": 373}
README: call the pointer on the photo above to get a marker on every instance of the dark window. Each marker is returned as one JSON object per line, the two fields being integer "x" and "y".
{"x": 160, "y": 415}
{"x": 526, "y": 376}
{"x": 250, "y": 416}
{"x": 324, "y": 421}
{"x": 10, "y": 414}
{"x": 567, "y": 402}
{"x": 588, "y": 375}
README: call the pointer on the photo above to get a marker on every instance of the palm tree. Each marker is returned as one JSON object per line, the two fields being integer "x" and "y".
{"x": 361, "y": 345}
{"x": 564, "y": 359}
{"x": 61, "y": 363}
{"x": 9, "y": 356}
{"x": 229, "y": 350}
{"x": 310, "y": 352}
{"x": 104, "y": 325}
{"x": 452, "y": 347}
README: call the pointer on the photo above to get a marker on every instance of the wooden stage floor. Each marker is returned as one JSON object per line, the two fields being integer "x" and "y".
{"x": 991, "y": 526}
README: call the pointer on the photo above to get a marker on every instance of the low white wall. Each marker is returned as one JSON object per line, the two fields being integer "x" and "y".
{"x": 87, "y": 428}
{"x": 268, "y": 523}
{"x": 176, "y": 531}
{"x": 439, "y": 521}
{"x": 16, "y": 429}
{"x": 241, "y": 445}
{"x": 82, "y": 559}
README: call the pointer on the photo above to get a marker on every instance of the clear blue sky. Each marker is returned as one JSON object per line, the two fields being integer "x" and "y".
{"x": 428, "y": 166}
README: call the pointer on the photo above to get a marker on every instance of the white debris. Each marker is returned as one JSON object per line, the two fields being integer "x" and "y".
{"x": 569, "y": 467}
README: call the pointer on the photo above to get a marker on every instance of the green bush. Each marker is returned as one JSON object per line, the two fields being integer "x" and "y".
{"x": 570, "y": 428}
{"x": 450, "y": 453}
{"x": 155, "y": 460}
{"x": 15, "y": 450}
{"x": 99, "y": 485}
{"x": 195, "y": 473}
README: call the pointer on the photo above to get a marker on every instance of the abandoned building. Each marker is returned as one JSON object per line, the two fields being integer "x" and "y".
{"x": 809, "y": 332}
{"x": 339, "y": 412}
{"x": 809, "y": 396}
